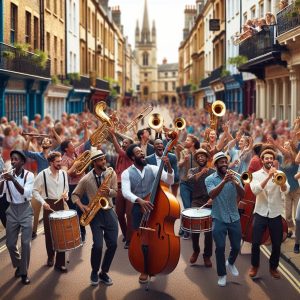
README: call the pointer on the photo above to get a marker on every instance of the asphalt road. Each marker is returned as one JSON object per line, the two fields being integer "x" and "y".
{"x": 185, "y": 282}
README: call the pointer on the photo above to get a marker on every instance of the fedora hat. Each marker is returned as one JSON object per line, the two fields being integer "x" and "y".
{"x": 96, "y": 154}
{"x": 219, "y": 155}
{"x": 201, "y": 151}
{"x": 20, "y": 153}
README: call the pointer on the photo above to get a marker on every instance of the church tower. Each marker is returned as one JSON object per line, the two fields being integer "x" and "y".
{"x": 145, "y": 46}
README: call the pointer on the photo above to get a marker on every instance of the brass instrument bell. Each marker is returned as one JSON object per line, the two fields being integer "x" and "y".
{"x": 218, "y": 108}
{"x": 279, "y": 178}
{"x": 179, "y": 123}
{"x": 156, "y": 121}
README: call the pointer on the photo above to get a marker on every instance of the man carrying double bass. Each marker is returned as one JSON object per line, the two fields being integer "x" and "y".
{"x": 200, "y": 197}
{"x": 137, "y": 182}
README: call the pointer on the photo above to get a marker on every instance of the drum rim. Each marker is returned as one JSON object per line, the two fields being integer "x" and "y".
{"x": 196, "y": 208}
{"x": 73, "y": 211}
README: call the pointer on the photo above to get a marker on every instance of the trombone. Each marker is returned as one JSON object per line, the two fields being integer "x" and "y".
{"x": 1, "y": 175}
{"x": 245, "y": 177}
{"x": 36, "y": 135}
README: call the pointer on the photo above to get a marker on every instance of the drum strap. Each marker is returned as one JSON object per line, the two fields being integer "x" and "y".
{"x": 45, "y": 183}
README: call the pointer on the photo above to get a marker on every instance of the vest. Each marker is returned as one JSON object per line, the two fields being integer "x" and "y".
{"x": 141, "y": 187}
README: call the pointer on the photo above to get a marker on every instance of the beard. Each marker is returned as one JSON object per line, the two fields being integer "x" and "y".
{"x": 223, "y": 170}
{"x": 57, "y": 167}
{"x": 202, "y": 164}
{"x": 141, "y": 162}
{"x": 268, "y": 166}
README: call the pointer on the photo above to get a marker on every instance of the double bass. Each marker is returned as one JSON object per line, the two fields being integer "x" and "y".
{"x": 154, "y": 247}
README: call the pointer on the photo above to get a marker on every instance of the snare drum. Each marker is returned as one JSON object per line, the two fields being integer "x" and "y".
{"x": 196, "y": 220}
{"x": 65, "y": 230}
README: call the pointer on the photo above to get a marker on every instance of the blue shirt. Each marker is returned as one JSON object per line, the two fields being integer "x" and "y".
{"x": 224, "y": 207}
{"x": 290, "y": 171}
{"x": 42, "y": 162}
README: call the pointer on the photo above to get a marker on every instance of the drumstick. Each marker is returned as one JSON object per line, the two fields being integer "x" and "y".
{"x": 57, "y": 200}
{"x": 61, "y": 197}
{"x": 202, "y": 206}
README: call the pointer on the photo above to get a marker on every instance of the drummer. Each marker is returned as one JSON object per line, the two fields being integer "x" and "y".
{"x": 51, "y": 190}
{"x": 196, "y": 176}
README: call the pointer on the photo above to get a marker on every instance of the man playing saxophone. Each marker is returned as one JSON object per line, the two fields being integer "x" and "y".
{"x": 100, "y": 185}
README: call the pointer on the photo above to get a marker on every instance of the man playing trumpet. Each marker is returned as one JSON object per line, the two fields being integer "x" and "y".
{"x": 267, "y": 212}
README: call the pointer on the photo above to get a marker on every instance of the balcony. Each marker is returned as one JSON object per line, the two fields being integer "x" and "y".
{"x": 215, "y": 75}
{"x": 102, "y": 84}
{"x": 82, "y": 84}
{"x": 11, "y": 60}
{"x": 187, "y": 88}
{"x": 262, "y": 50}
{"x": 287, "y": 19}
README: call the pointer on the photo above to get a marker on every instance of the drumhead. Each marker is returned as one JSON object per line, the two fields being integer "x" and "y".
{"x": 63, "y": 214}
{"x": 196, "y": 212}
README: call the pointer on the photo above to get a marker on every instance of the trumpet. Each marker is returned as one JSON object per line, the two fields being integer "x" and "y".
{"x": 1, "y": 175}
{"x": 245, "y": 177}
{"x": 179, "y": 123}
{"x": 279, "y": 178}
{"x": 36, "y": 135}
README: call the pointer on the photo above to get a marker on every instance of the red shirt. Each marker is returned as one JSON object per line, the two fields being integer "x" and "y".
{"x": 123, "y": 162}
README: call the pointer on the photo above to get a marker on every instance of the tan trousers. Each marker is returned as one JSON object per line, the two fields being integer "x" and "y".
{"x": 291, "y": 201}
{"x": 36, "y": 206}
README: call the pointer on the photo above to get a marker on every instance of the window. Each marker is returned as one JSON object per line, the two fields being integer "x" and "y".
{"x": 245, "y": 18}
{"x": 253, "y": 12}
{"x": 166, "y": 86}
{"x": 55, "y": 7}
{"x": 166, "y": 74}
{"x": 27, "y": 27}
{"x": 145, "y": 59}
{"x": 261, "y": 9}
{"x": 145, "y": 74}
{"x": 48, "y": 42}
{"x": 13, "y": 23}
{"x": 61, "y": 9}
{"x": 48, "y": 4}
{"x": 89, "y": 19}
{"x": 145, "y": 91}
{"x": 174, "y": 74}
{"x": 173, "y": 85}
{"x": 35, "y": 32}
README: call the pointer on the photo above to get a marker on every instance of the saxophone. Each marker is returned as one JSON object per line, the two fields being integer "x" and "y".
{"x": 98, "y": 201}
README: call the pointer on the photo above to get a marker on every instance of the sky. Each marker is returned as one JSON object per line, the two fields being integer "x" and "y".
{"x": 169, "y": 21}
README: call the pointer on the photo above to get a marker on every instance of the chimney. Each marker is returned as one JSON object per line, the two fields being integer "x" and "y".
{"x": 116, "y": 15}
{"x": 104, "y": 4}
{"x": 165, "y": 61}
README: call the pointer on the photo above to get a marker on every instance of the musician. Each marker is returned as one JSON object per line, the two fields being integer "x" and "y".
{"x": 137, "y": 182}
{"x": 267, "y": 212}
{"x": 105, "y": 222}
{"x": 199, "y": 198}
{"x": 51, "y": 190}
{"x": 18, "y": 188}
{"x": 123, "y": 207}
{"x": 143, "y": 136}
{"x": 225, "y": 190}
{"x": 42, "y": 164}
{"x": 155, "y": 159}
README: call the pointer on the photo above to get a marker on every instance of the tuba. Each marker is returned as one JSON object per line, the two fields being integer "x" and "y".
{"x": 85, "y": 160}
{"x": 101, "y": 133}
{"x": 98, "y": 201}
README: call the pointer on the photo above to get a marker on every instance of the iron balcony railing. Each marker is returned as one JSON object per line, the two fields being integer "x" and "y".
{"x": 82, "y": 84}
{"x": 13, "y": 60}
{"x": 102, "y": 84}
{"x": 215, "y": 74}
{"x": 187, "y": 88}
{"x": 288, "y": 19}
{"x": 260, "y": 43}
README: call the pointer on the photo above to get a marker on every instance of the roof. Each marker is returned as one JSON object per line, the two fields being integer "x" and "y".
{"x": 168, "y": 67}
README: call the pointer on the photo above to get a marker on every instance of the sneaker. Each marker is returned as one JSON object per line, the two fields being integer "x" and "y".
{"x": 181, "y": 232}
{"x": 105, "y": 278}
{"x": 296, "y": 248}
{"x": 126, "y": 245}
{"x": 222, "y": 280}
{"x": 94, "y": 278}
{"x": 232, "y": 268}
{"x": 253, "y": 271}
{"x": 194, "y": 257}
{"x": 186, "y": 235}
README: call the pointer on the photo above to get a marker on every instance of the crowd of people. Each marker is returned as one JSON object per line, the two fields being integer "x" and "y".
{"x": 44, "y": 156}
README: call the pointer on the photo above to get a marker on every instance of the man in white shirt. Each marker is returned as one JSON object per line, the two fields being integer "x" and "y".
{"x": 18, "y": 188}
{"x": 137, "y": 181}
{"x": 268, "y": 209}
{"x": 51, "y": 185}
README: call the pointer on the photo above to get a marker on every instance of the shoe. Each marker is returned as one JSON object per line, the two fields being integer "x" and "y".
{"x": 25, "y": 279}
{"x": 126, "y": 245}
{"x": 296, "y": 248}
{"x": 50, "y": 263}
{"x": 33, "y": 236}
{"x": 181, "y": 232}
{"x": 274, "y": 273}
{"x": 143, "y": 278}
{"x": 222, "y": 280}
{"x": 186, "y": 235}
{"x": 253, "y": 271}
{"x": 17, "y": 273}
{"x": 207, "y": 262}
{"x": 83, "y": 238}
{"x": 232, "y": 268}
{"x": 290, "y": 233}
{"x": 61, "y": 269}
{"x": 194, "y": 257}
{"x": 94, "y": 278}
{"x": 105, "y": 278}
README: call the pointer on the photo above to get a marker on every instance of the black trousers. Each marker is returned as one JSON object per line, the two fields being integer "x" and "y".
{"x": 207, "y": 243}
{"x": 104, "y": 226}
{"x": 3, "y": 207}
{"x": 275, "y": 228}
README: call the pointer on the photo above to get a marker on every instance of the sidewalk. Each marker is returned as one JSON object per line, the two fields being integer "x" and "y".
{"x": 287, "y": 248}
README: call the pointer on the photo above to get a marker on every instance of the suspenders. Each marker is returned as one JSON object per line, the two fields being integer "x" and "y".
{"x": 45, "y": 182}
{"x": 9, "y": 192}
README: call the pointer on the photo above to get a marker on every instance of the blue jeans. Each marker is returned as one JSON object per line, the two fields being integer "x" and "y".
{"x": 219, "y": 231}
{"x": 186, "y": 194}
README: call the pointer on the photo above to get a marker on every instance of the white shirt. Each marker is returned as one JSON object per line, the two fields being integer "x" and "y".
{"x": 126, "y": 185}
{"x": 158, "y": 160}
{"x": 270, "y": 200}
{"x": 17, "y": 198}
{"x": 55, "y": 185}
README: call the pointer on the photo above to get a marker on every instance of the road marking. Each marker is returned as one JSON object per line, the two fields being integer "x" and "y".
{"x": 3, "y": 248}
{"x": 284, "y": 271}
